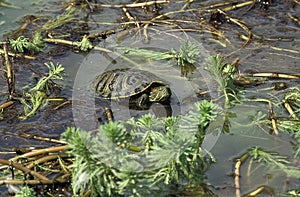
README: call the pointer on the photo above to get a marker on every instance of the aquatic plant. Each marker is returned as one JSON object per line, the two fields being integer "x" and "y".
{"x": 22, "y": 43}
{"x": 84, "y": 44}
{"x": 26, "y": 191}
{"x": 293, "y": 193}
{"x": 273, "y": 161}
{"x": 141, "y": 157}
{"x": 189, "y": 54}
{"x": 36, "y": 97}
{"x": 223, "y": 74}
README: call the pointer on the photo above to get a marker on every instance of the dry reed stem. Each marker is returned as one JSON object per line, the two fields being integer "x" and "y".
{"x": 133, "y": 5}
{"x": 45, "y": 159}
{"x": 26, "y": 182}
{"x": 237, "y": 177}
{"x": 24, "y": 169}
{"x": 40, "y": 152}
{"x": 9, "y": 72}
{"x": 273, "y": 121}
{"x": 18, "y": 55}
{"x": 260, "y": 190}
{"x": 288, "y": 107}
{"x": 6, "y": 105}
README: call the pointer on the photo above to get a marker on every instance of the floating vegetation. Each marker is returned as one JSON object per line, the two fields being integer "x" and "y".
{"x": 223, "y": 74}
{"x": 22, "y": 43}
{"x": 141, "y": 157}
{"x": 272, "y": 159}
{"x": 36, "y": 97}
{"x": 84, "y": 44}
{"x": 189, "y": 54}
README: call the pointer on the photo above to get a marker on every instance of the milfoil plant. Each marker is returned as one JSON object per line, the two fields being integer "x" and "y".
{"x": 141, "y": 157}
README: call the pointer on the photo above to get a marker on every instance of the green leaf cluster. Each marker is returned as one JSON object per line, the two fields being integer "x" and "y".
{"x": 275, "y": 161}
{"x": 22, "y": 43}
{"x": 188, "y": 54}
{"x": 141, "y": 157}
{"x": 36, "y": 97}
{"x": 26, "y": 191}
{"x": 223, "y": 74}
{"x": 293, "y": 193}
{"x": 84, "y": 45}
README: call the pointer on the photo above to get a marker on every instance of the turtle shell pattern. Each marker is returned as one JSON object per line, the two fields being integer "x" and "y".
{"x": 124, "y": 83}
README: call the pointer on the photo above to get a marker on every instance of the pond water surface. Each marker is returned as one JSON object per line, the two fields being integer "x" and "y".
{"x": 275, "y": 47}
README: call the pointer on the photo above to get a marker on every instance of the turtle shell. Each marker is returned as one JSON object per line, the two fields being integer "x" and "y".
{"x": 124, "y": 83}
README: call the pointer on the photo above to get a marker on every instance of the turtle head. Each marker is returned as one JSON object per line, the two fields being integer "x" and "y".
{"x": 159, "y": 94}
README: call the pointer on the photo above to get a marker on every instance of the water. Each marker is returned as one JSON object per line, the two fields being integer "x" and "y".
{"x": 274, "y": 47}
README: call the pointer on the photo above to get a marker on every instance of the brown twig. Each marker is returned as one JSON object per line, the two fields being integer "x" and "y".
{"x": 18, "y": 55}
{"x": 131, "y": 18}
{"x": 237, "y": 167}
{"x": 40, "y": 152}
{"x": 274, "y": 75}
{"x": 26, "y": 182}
{"x": 296, "y": 20}
{"x": 9, "y": 72}
{"x": 260, "y": 190}
{"x": 67, "y": 42}
{"x": 237, "y": 178}
{"x": 45, "y": 159}
{"x": 30, "y": 136}
{"x": 24, "y": 169}
{"x": 273, "y": 120}
{"x": 288, "y": 107}
{"x": 6, "y": 105}
{"x": 241, "y": 25}
{"x": 62, "y": 105}
{"x": 102, "y": 34}
{"x": 133, "y": 5}
{"x": 297, "y": 2}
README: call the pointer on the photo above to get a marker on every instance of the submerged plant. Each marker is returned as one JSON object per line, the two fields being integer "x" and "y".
{"x": 275, "y": 160}
{"x": 189, "y": 54}
{"x": 60, "y": 20}
{"x": 22, "y": 43}
{"x": 141, "y": 157}
{"x": 44, "y": 83}
{"x": 293, "y": 193}
{"x": 84, "y": 44}
{"x": 223, "y": 74}
{"x": 36, "y": 97}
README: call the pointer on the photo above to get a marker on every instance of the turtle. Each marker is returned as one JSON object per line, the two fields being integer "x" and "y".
{"x": 140, "y": 86}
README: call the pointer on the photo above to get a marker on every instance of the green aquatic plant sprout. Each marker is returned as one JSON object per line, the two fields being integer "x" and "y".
{"x": 22, "y": 43}
{"x": 223, "y": 74}
{"x": 189, "y": 53}
{"x": 275, "y": 161}
{"x": 293, "y": 193}
{"x": 84, "y": 45}
{"x": 140, "y": 157}
{"x": 55, "y": 73}
{"x": 36, "y": 97}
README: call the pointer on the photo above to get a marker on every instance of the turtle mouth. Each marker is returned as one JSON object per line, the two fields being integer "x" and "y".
{"x": 160, "y": 94}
